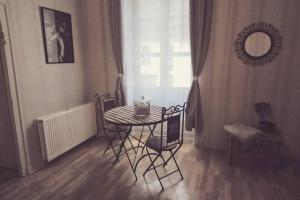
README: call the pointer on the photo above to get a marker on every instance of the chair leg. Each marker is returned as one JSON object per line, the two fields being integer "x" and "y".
{"x": 113, "y": 149}
{"x": 172, "y": 155}
{"x": 120, "y": 135}
{"x": 148, "y": 168}
{"x": 152, "y": 164}
{"x": 110, "y": 141}
{"x": 162, "y": 157}
{"x": 107, "y": 147}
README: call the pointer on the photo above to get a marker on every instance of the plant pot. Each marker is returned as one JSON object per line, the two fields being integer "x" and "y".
{"x": 267, "y": 126}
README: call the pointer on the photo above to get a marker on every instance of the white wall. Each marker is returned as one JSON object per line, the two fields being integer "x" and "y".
{"x": 44, "y": 88}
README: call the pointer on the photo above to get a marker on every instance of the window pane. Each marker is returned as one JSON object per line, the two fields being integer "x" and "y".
{"x": 157, "y": 50}
{"x": 182, "y": 65}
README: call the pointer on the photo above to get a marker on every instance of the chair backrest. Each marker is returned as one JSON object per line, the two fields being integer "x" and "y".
{"x": 109, "y": 101}
{"x": 174, "y": 118}
{"x": 104, "y": 103}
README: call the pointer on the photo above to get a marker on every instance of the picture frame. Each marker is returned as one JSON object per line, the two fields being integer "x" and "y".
{"x": 57, "y": 36}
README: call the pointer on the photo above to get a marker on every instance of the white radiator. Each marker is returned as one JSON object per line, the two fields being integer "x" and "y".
{"x": 63, "y": 130}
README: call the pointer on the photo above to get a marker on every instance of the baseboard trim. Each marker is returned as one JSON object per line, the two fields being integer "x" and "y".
{"x": 34, "y": 168}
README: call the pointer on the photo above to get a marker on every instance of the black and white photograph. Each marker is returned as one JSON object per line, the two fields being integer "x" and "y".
{"x": 57, "y": 35}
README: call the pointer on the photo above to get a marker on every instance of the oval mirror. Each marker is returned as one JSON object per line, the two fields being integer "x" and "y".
{"x": 257, "y": 44}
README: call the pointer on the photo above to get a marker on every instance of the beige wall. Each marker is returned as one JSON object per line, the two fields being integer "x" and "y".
{"x": 230, "y": 88}
{"x": 44, "y": 88}
{"x": 101, "y": 69}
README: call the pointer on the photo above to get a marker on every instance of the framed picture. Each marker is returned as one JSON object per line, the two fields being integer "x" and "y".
{"x": 57, "y": 36}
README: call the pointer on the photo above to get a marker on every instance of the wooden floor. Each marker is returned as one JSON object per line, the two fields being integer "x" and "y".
{"x": 85, "y": 173}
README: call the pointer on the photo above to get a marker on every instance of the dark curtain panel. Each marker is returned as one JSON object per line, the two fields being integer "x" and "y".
{"x": 115, "y": 23}
{"x": 200, "y": 28}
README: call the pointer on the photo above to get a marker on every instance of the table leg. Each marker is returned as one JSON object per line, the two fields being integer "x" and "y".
{"x": 141, "y": 136}
{"x": 122, "y": 144}
{"x": 134, "y": 164}
{"x": 131, "y": 164}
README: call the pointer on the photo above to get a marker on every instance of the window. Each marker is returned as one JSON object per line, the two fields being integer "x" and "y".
{"x": 156, "y": 50}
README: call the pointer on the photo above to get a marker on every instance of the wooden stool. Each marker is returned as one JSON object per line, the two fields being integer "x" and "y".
{"x": 264, "y": 151}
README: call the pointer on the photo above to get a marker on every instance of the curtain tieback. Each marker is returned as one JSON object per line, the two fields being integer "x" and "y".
{"x": 120, "y": 75}
{"x": 195, "y": 78}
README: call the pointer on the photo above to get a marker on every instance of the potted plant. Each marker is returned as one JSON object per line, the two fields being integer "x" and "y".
{"x": 264, "y": 110}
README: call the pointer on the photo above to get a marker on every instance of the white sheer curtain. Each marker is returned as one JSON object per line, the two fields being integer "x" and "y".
{"x": 156, "y": 50}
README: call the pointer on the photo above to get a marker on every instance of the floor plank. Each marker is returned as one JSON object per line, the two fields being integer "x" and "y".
{"x": 85, "y": 173}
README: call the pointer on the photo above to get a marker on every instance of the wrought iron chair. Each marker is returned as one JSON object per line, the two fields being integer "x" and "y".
{"x": 112, "y": 132}
{"x": 169, "y": 141}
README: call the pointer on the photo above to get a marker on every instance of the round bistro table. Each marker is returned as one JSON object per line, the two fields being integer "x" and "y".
{"x": 124, "y": 116}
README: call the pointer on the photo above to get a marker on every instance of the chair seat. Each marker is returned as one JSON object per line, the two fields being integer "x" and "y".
{"x": 154, "y": 143}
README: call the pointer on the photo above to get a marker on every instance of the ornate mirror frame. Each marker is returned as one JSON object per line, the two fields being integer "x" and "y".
{"x": 268, "y": 29}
